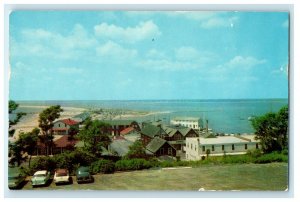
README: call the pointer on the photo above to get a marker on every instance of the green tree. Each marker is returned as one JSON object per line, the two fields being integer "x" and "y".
{"x": 94, "y": 134}
{"x": 46, "y": 119}
{"x": 272, "y": 130}
{"x": 207, "y": 153}
{"x": 28, "y": 142}
{"x": 137, "y": 150}
{"x": 16, "y": 152}
{"x": 12, "y": 107}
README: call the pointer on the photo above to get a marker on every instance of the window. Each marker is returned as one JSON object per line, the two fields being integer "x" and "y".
{"x": 187, "y": 144}
{"x": 169, "y": 151}
{"x": 246, "y": 147}
{"x": 213, "y": 148}
{"x": 232, "y": 147}
{"x": 195, "y": 148}
{"x": 191, "y": 146}
{"x": 59, "y": 125}
{"x": 194, "y": 126}
{"x": 203, "y": 148}
{"x": 256, "y": 145}
{"x": 65, "y": 125}
{"x": 223, "y": 147}
{"x": 161, "y": 151}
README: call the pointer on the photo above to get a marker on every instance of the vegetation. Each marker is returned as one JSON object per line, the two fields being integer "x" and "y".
{"x": 26, "y": 144}
{"x": 95, "y": 136}
{"x": 272, "y": 130}
{"x": 102, "y": 166}
{"x": 12, "y": 107}
{"x": 137, "y": 150}
{"x": 46, "y": 119}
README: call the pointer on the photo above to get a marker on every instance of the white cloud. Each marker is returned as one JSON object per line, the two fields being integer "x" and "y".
{"x": 144, "y": 30}
{"x": 207, "y": 19}
{"x": 42, "y": 43}
{"x": 112, "y": 49}
{"x": 244, "y": 62}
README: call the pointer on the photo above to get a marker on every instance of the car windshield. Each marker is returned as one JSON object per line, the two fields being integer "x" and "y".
{"x": 61, "y": 174}
{"x": 39, "y": 175}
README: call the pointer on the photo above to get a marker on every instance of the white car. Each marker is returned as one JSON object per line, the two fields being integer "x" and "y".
{"x": 40, "y": 178}
{"x": 61, "y": 176}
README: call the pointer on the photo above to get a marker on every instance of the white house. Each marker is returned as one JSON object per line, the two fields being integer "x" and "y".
{"x": 191, "y": 122}
{"x": 217, "y": 146}
{"x": 61, "y": 127}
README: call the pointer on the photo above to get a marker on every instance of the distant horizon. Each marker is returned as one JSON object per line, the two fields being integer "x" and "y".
{"x": 208, "y": 99}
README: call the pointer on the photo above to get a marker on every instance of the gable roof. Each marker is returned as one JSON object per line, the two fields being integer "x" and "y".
{"x": 152, "y": 130}
{"x": 126, "y": 130}
{"x": 64, "y": 141}
{"x": 69, "y": 122}
{"x": 155, "y": 144}
{"x": 83, "y": 116}
{"x": 121, "y": 146}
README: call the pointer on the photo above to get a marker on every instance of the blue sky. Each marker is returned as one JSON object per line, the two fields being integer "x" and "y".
{"x": 66, "y": 55}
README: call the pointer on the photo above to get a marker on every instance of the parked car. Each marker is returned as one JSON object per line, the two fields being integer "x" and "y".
{"x": 15, "y": 178}
{"x": 61, "y": 176}
{"x": 83, "y": 175}
{"x": 39, "y": 178}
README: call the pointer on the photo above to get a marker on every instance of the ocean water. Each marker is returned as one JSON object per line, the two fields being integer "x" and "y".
{"x": 226, "y": 116}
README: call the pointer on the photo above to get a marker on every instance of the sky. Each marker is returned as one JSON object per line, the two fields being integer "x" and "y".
{"x": 137, "y": 55}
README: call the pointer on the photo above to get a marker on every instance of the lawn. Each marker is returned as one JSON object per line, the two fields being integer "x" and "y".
{"x": 246, "y": 177}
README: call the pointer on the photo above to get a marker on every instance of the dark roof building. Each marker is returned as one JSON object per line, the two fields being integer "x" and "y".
{"x": 160, "y": 147}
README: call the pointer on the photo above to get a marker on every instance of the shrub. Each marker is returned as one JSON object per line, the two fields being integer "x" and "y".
{"x": 272, "y": 157}
{"x": 102, "y": 166}
{"x": 132, "y": 164}
{"x": 254, "y": 153}
{"x": 42, "y": 163}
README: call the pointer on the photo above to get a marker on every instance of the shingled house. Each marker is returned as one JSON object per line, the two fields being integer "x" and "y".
{"x": 62, "y": 127}
{"x": 116, "y": 126}
{"x": 174, "y": 135}
{"x": 160, "y": 147}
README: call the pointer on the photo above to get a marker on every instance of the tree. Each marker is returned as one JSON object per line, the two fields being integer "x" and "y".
{"x": 13, "y": 106}
{"x": 28, "y": 142}
{"x": 46, "y": 119}
{"x": 137, "y": 150}
{"x": 207, "y": 153}
{"x": 272, "y": 130}
{"x": 95, "y": 136}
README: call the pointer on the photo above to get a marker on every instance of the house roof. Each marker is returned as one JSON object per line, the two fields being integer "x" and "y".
{"x": 185, "y": 119}
{"x": 127, "y": 130}
{"x": 64, "y": 141}
{"x": 119, "y": 122}
{"x": 155, "y": 144}
{"x": 150, "y": 130}
{"x": 40, "y": 172}
{"x": 121, "y": 146}
{"x": 223, "y": 140}
{"x": 82, "y": 116}
{"x": 69, "y": 122}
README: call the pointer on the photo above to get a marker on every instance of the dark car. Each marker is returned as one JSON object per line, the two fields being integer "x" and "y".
{"x": 15, "y": 178}
{"x": 83, "y": 175}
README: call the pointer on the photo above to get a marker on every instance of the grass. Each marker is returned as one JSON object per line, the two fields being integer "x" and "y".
{"x": 246, "y": 177}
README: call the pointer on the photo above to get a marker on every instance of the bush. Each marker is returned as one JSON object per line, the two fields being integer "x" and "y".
{"x": 255, "y": 153}
{"x": 272, "y": 157}
{"x": 133, "y": 164}
{"x": 42, "y": 163}
{"x": 102, "y": 166}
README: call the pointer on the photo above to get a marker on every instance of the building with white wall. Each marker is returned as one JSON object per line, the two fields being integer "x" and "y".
{"x": 218, "y": 145}
{"x": 190, "y": 122}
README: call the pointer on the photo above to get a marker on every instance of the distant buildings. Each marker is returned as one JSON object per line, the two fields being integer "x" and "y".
{"x": 219, "y": 145}
{"x": 190, "y": 122}
{"x": 159, "y": 134}
{"x": 116, "y": 126}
